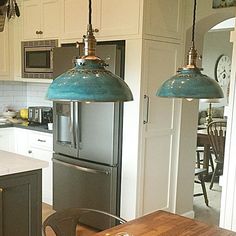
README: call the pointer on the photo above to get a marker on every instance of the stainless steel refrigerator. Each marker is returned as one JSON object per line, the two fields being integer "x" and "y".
{"x": 87, "y": 142}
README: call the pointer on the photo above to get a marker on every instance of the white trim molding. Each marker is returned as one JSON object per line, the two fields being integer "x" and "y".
{"x": 228, "y": 200}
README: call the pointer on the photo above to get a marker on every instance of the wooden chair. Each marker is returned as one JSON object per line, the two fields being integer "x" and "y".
{"x": 200, "y": 158}
{"x": 217, "y": 132}
{"x": 64, "y": 222}
{"x": 199, "y": 172}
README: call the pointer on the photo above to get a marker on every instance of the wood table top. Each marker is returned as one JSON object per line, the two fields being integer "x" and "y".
{"x": 165, "y": 224}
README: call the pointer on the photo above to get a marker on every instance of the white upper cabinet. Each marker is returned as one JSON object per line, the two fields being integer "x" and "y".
{"x": 75, "y": 16}
{"x": 41, "y": 19}
{"x": 109, "y": 18}
{"x": 163, "y": 18}
{"x": 119, "y": 17}
{"x": 4, "y": 49}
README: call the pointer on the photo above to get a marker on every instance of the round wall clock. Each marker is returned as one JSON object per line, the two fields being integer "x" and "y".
{"x": 223, "y": 70}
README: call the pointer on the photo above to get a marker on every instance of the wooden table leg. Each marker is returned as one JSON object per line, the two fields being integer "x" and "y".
{"x": 206, "y": 159}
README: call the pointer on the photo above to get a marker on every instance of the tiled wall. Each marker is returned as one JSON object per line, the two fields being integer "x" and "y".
{"x": 12, "y": 95}
{"x": 17, "y": 95}
{"x": 36, "y": 95}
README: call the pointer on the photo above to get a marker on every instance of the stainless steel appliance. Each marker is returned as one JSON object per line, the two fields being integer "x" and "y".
{"x": 87, "y": 145}
{"x": 40, "y": 115}
{"x": 37, "y": 58}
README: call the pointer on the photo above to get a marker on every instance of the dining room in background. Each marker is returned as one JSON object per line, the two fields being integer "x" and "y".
{"x": 223, "y": 3}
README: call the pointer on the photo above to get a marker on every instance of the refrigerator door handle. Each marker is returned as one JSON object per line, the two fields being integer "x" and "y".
{"x": 85, "y": 169}
{"x": 77, "y": 126}
{"x": 72, "y": 130}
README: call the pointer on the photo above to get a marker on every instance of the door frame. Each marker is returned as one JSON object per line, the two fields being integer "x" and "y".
{"x": 228, "y": 198}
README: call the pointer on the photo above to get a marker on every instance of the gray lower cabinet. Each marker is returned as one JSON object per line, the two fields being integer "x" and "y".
{"x": 21, "y": 204}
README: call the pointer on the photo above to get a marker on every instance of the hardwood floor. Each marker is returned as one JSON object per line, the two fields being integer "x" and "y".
{"x": 81, "y": 230}
{"x": 46, "y": 211}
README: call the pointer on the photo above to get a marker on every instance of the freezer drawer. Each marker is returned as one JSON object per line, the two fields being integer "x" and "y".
{"x": 81, "y": 184}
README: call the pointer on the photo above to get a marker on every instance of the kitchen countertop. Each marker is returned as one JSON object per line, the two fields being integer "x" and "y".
{"x": 12, "y": 163}
{"x": 40, "y": 128}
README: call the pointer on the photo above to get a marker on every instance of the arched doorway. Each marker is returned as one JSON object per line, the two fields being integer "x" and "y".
{"x": 216, "y": 43}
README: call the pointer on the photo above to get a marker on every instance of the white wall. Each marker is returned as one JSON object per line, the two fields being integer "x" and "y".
{"x": 216, "y": 43}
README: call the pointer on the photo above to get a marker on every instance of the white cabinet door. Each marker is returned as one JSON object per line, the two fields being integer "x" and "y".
{"x": 41, "y": 19}
{"x": 4, "y": 49}
{"x": 50, "y": 18}
{"x": 163, "y": 18}
{"x": 109, "y": 18}
{"x": 40, "y": 147}
{"x": 7, "y": 141}
{"x": 119, "y": 17}
{"x": 75, "y": 17}
{"x": 31, "y": 19}
{"x": 22, "y": 141}
{"x": 45, "y": 155}
{"x": 158, "y": 147}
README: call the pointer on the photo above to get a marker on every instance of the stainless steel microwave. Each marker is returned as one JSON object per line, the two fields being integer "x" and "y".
{"x": 37, "y": 58}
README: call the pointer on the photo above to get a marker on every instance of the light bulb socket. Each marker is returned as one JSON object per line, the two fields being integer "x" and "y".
{"x": 192, "y": 58}
{"x": 89, "y": 42}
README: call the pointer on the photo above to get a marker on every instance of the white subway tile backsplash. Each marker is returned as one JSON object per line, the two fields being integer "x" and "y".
{"x": 12, "y": 95}
{"x": 17, "y": 95}
{"x": 36, "y": 95}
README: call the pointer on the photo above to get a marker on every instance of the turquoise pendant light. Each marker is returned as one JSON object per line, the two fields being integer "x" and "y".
{"x": 88, "y": 81}
{"x": 189, "y": 82}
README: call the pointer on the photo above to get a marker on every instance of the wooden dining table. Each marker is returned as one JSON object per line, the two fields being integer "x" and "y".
{"x": 165, "y": 224}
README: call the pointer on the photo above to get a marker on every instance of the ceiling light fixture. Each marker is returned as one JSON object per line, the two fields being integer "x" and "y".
{"x": 88, "y": 81}
{"x": 189, "y": 82}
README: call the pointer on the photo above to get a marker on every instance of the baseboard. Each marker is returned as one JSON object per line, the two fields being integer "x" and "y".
{"x": 189, "y": 214}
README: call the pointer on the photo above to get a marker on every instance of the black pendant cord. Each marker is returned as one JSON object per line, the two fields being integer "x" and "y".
{"x": 90, "y": 12}
{"x": 194, "y": 19}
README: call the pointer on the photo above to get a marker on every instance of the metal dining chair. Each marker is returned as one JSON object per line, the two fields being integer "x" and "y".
{"x": 217, "y": 132}
{"x": 65, "y": 222}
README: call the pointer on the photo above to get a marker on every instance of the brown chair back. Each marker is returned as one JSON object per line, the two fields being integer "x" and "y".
{"x": 217, "y": 134}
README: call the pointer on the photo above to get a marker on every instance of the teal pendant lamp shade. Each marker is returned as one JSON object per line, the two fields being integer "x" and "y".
{"x": 189, "y": 82}
{"x": 88, "y": 81}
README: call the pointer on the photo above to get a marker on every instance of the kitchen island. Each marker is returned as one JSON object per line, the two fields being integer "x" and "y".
{"x": 20, "y": 195}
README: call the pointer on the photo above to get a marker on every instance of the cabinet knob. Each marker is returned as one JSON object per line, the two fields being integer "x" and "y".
{"x": 96, "y": 30}
{"x": 30, "y": 151}
{"x": 39, "y": 32}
